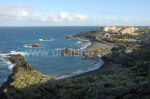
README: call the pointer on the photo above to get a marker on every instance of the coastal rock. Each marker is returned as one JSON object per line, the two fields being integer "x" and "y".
{"x": 68, "y": 37}
{"x": 36, "y": 45}
{"x": 87, "y": 57}
{"x": 20, "y": 62}
{"x": 33, "y": 45}
{"x": 46, "y": 39}
{"x": 94, "y": 63}
{"x": 90, "y": 35}
{"x": 70, "y": 52}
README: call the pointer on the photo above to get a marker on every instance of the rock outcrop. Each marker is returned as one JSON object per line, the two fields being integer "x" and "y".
{"x": 20, "y": 62}
{"x": 45, "y": 39}
{"x": 33, "y": 45}
{"x": 23, "y": 75}
{"x": 70, "y": 52}
{"x": 70, "y": 37}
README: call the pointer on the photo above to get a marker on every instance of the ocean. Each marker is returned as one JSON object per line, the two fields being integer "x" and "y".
{"x": 46, "y": 59}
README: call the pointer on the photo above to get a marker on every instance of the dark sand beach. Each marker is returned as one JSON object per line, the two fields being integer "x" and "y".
{"x": 98, "y": 44}
{"x": 108, "y": 65}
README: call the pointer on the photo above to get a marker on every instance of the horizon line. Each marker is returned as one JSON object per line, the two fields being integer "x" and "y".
{"x": 82, "y": 26}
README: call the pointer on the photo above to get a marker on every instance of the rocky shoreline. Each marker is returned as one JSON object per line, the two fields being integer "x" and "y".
{"x": 23, "y": 75}
{"x": 112, "y": 80}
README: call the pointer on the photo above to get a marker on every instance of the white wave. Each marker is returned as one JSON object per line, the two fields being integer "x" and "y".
{"x": 10, "y": 65}
{"x": 14, "y": 53}
{"x": 86, "y": 45}
{"x": 27, "y": 46}
{"x": 30, "y": 46}
{"x": 83, "y": 43}
{"x": 46, "y": 40}
{"x": 6, "y": 72}
{"x": 79, "y": 72}
{"x": 79, "y": 42}
{"x": 62, "y": 77}
{"x": 7, "y": 63}
{"x": 58, "y": 48}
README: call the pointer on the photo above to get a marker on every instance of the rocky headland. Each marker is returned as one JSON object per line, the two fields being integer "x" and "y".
{"x": 23, "y": 75}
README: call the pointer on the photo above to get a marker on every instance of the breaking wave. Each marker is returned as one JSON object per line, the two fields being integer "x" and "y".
{"x": 83, "y": 43}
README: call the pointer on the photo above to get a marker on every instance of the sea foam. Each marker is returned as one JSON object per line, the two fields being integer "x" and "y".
{"x": 7, "y": 62}
{"x": 13, "y": 53}
{"x": 83, "y": 43}
{"x": 45, "y": 40}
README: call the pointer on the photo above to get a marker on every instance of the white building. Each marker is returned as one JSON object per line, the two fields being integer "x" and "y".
{"x": 108, "y": 28}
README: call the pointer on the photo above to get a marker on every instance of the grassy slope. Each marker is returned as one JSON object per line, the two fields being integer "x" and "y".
{"x": 118, "y": 83}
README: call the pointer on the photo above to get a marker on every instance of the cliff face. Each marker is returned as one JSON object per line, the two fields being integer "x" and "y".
{"x": 23, "y": 75}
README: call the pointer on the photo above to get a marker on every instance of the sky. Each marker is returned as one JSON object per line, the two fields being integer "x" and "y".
{"x": 74, "y": 12}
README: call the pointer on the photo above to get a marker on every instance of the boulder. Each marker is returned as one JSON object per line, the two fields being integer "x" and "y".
{"x": 46, "y": 38}
{"x": 35, "y": 45}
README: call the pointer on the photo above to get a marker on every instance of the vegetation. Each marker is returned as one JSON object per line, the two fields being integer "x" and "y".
{"x": 131, "y": 82}
{"x": 140, "y": 52}
{"x": 96, "y": 85}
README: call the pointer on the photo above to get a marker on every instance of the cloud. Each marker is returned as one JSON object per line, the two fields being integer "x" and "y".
{"x": 14, "y": 12}
{"x": 63, "y": 16}
{"x": 110, "y": 19}
{"x": 18, "y": 12}
{"x": 68, "y": 17}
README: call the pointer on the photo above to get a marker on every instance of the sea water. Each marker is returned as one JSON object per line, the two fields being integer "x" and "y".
{"x": 46, "y": 59}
